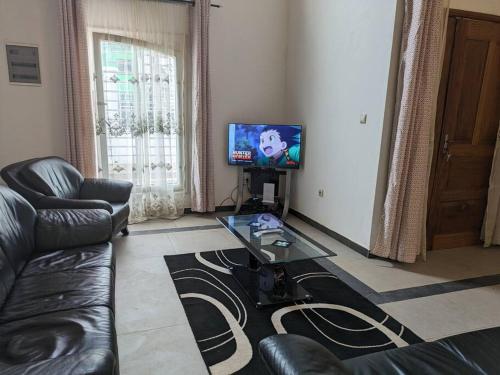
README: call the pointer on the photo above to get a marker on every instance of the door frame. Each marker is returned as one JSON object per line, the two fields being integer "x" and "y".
{"x": 453, "y": 15}
{"x": 473, "y": 15}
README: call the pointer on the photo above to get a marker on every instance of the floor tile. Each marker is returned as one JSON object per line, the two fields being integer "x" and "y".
{"x": 133, "y": 274}
{"x": 330, "y": 243}
{"x": 155, "y": 338}
{"x": 448, "y": 314}
{"x": 441, "y": 266}
{"x": 203, "y": 240}
{"x": 143, "y": 246}
{"x": 190, "y": 220}
{"x": 145, "y": 296}
{"x": 163, "y": 351}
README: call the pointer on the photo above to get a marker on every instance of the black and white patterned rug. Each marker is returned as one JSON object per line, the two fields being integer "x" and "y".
{"x": 228, "y": 327}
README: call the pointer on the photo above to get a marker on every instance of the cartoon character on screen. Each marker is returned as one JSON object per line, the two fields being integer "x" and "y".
{"x": 280, "y": 146}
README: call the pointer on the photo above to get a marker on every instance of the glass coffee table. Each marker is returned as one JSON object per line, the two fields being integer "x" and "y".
{"x": 271, "y": 246}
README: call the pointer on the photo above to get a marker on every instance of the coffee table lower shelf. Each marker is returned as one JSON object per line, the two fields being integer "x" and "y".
{"x": 269, "y": 285}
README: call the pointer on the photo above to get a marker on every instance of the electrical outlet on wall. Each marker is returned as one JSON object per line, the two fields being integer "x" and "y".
{"x": 363, "y": 118}
{"x": 321, "y": 193}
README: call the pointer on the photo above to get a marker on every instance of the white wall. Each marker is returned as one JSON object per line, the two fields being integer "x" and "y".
{"x": 338, "y": 67}
{"x": 31, "y": 117}
{"x": 248, "y": 57}
{"x": 339, "y": 59}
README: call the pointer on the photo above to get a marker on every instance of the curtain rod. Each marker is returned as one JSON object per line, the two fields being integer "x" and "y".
{"x": 188, "y": 2}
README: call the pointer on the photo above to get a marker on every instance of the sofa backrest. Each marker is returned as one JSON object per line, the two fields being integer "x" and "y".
{"x": 53, "y": 177}
{"x": 17, "y": 233}
{"x": 11, "y": 174}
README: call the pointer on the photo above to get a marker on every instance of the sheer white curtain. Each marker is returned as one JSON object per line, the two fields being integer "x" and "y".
{"x": 139, "y": 58}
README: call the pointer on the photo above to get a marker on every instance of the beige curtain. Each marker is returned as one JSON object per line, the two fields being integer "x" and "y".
{"x": 402, "y": 231}
{"x": 202, "y": 167}
{"x": 80, "y": 138}
{"x": 491, "y": 225}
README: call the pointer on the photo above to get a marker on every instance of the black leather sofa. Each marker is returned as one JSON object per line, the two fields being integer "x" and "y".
{"x": 52, "y": 182}
{"x": 469, "y": 353}
{"x": 56, "y": 290}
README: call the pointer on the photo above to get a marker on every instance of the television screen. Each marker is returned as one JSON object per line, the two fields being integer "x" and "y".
{"x": 274, "y": 146}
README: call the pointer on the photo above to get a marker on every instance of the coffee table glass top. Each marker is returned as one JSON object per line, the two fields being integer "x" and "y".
{"x": 284, "y": 246}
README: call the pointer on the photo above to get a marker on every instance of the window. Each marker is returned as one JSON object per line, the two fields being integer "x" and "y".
{"x": 139, "y": 112}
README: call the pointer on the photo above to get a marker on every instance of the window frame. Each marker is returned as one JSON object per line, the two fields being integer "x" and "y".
{"x": 100, "y": 106}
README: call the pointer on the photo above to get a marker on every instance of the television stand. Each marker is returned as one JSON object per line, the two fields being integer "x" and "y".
{"x": 241, "y": 184}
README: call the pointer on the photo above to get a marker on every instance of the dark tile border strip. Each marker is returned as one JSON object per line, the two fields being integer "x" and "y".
{"x": 441, "y": 288}
{"x": 174, "y": 230}
{"x": 356, "y": 284}
{"x": 405, "y": 294}
{"x": 349, "y": 279}
{"x": 393, "y": 295}
{"x": 217, "y": 226}
{"x": 344, "y": 240}
{"x": 311, "y": 240}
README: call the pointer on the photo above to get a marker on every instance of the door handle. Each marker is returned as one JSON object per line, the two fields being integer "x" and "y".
{"x": 446, "y": 147}
{"x": 446, "y": 144}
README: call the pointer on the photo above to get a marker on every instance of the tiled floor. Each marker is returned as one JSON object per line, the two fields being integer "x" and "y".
{"x": 154, "y": 336}
{"x": 201, "y": 240}
{"x": 441, "y": 266}
{"x": 447, "y": 314}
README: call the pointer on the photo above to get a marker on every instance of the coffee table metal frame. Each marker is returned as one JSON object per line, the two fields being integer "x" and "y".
{"x": 265, "y": 281}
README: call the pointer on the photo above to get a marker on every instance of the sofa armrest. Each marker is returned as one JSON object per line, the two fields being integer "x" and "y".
{"x": 57, "y": 203}
{"x": 95, "y": 362}
{"x": 293, "y": 355}
{"x": 67, "y": 228}
{"x": 107, "y": 190}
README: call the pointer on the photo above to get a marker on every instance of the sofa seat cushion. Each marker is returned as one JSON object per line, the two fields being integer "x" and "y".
{"x": 95, "y": 362}
{"x": 100, "y": 255}
{"x": 119, "y": 215}
{"x": 57, "y": 334}
{"x": 49, "y": 292}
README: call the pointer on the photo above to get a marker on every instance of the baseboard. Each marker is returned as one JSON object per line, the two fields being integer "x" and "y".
{"x": 344, "y": 240}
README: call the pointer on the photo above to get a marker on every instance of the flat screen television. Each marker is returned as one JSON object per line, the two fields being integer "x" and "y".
{"x": 261, "y": 145}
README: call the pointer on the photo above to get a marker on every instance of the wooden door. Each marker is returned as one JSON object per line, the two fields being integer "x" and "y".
{"x": 468, "y": 119}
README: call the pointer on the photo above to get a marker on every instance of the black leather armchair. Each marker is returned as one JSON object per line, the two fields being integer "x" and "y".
{"x": 468, "y": 353}
{"x": 56, "y": 290}
{"x": 54, "y": 183}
